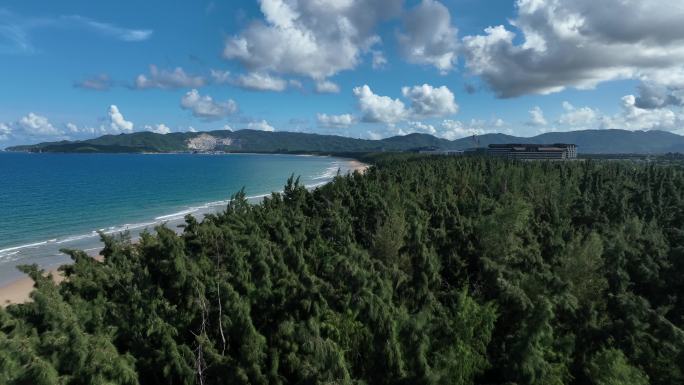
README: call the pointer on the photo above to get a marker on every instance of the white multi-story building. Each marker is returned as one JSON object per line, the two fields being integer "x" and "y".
{"x": 534, "y": 151}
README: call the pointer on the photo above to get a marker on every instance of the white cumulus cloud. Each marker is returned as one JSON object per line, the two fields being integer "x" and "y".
{"x": 429, "y": 36}
{"x": 205, "y": 107}
{"x": 36, "y": 125}
{"x": 584, "y": 117}
{"x": 336, "y": 121}
{"x": 254, "y": 81}
{"x": 455, "y": 129}
{"x": 379, "y": 109}
{"x": 5, "y": 131}
{"x": 420, "y": 127}
{"x": 261, "y": 125}
{"x": 425, "y": 101}
{"x": 117, "y": 121}
{"x": 634, "y": 118}
{"x": 537, "y": 117}
{"x": 89, "y": 130}
{"x": 556, "y": 44}
{"x": 312, "y": 38}
{"x": 160, "y": 128}
{"x": 429, "y": 101}
{"x": 448, "y": 128}
{"x": 261, "y": 82}
{"x": 168, "y": 79}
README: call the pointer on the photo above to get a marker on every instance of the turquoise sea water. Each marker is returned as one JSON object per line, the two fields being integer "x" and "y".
{"x": 53, "y": 201}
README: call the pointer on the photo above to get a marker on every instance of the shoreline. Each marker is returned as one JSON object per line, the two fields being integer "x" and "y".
{"x": 355, "y": 165}
{"x": 7, "y": 251}
{"x": 18, "y": 290}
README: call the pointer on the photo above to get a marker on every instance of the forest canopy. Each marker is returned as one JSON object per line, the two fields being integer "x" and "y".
{"x": 424, "y": 270}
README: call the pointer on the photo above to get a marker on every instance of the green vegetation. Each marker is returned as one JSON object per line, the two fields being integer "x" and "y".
{"x": 589, "y": 142}
{"x": 439, "y": 270}
{"x": 243, "y": 141}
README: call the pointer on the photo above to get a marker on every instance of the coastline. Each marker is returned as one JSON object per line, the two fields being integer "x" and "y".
{"x": 18, "y": 290}
{"x": 355, "y": 165}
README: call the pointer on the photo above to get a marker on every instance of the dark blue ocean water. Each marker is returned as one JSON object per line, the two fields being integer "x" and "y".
{"x": 51, "y": 201}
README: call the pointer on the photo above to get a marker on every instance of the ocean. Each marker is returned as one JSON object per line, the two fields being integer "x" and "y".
{"x": 54, "y": 201}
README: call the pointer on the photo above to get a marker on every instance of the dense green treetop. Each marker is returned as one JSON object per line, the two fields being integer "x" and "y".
{"x": 425, "y": 270}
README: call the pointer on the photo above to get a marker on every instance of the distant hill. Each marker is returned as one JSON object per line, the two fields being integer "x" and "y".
{"x": 588, "y": 142}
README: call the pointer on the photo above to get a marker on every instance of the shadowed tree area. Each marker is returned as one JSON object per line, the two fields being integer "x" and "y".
{"x": 425, "y": 270}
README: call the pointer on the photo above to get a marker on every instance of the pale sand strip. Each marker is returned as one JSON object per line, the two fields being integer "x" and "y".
{"x": 18, "y": 291}
{"x": 355, "y": 165}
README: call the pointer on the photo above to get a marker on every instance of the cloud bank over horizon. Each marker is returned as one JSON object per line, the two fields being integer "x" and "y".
{"x": 357, "y": 68}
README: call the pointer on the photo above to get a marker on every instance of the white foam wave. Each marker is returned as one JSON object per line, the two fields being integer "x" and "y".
{"x": 212, "y": 204}
{"x": 9, "y": 257}
{"x": 15, "y": 252}
{"x": 314, "y": 185}
{"x": 329, "y": 172}
{"x": 26, "y": 246}
{"x": 118, "y": 229}
{"x": 258, "y": 196}
{"x": 177, "y": 215}
{"x": 78, "y": 237}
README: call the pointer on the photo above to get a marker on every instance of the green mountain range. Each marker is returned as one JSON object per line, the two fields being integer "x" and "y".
{"x": 588, "y": 142}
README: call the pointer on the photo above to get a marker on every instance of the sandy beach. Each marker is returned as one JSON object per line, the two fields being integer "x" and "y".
{"x": 18, "y": 290}
{"x": 355, "y": 165}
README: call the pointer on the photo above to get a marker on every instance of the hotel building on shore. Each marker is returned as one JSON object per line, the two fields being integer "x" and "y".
{"x": 558, "y": 151}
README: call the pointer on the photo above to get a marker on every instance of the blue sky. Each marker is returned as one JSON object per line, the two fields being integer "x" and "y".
{"x": 376, "y": 68}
